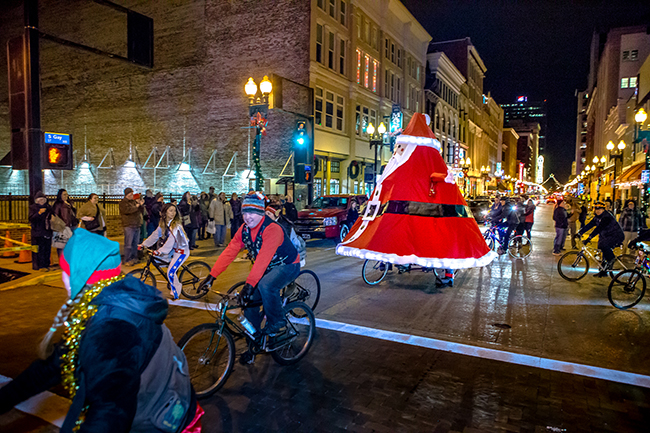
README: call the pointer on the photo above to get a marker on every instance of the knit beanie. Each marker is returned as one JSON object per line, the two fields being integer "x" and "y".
{"x": 253, "y": 202}
{"x": 88, "y": 258}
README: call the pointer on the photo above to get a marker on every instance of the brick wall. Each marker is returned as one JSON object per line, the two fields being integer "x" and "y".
{"x": 204, "y": 51}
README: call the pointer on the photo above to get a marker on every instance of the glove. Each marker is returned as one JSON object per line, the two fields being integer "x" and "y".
{"x": 246, "y": 294}
{"x": 140, "y": 247}
{"x": 156, "y": 253}
{"x": 206, "y": 284}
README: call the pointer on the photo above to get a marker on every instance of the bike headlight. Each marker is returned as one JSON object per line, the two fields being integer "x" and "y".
{"x": 329, "y": 221}
{"x": 484, "y": 212}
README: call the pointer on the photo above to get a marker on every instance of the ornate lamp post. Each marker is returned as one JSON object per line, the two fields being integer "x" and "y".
{"x": 465, "y": 165}
{"x": 615, "y": 155}
{"x": 258, "y": 107}
{"x": 376, "y": 141}
{"x": 639, "y": 119}
{"x": 485, "y": 174}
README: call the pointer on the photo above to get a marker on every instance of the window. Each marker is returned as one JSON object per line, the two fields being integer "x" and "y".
{"x": 373, "y": 118}
{"x": 329, "y": 109}
{"x": 358, "y": 20}
{"x": 392, "y": 52}
{"x": 364, "y": 120}
{"x": 634, "y": 55}
{"x": 626, "y": 55}
{"x": 319, "y": 43}
{"x": 408, "y": 97}
{"x": 386, "y": 84}
{"x": 373, "y": 37}
{"x": 330, "y": 55}
{"x": 399, "y": 91}
{"x": 321, "y": 4}
{"x": 367, "y": 71}
{"x": 632, "y": 82}
{"x": 339, "y": 113}
{"x": 624, "y": 83}
{"x": 375, "y": 66}
{"x": 366, "y": 29}
{"x": 335, "y": 167}
{"x": 356, "y": 187}
{"x": 387, "y": 48}
{"x": 408, "y": 66}
{"x": 318, "y": 187}
{"x": 392, "y": 87}
{"x": 343, "y": 12}
{"x": 334, "y": 186}
{"x": 318, "y": 108}
{"x": 358, "y": 121}
{"x": 417, "y": 72}
{"x": 399, "y": 58}
{"x": 333, "y": 8}
{"x": 342, "y": 57}
{"x": 450, "y": 153}
{"x": 358, "y": 67}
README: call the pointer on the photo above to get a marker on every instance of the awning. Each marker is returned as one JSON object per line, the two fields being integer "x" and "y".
{"x": 631, "y": 176}
{"x": 284, "y": 180}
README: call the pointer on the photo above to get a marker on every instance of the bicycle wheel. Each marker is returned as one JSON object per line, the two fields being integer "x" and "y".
{"x": 191, "y": 278}
{"x": 374, "y": 271}
{"x": 520, "y": 247}
{"x": 573, "y": 266}
{"x": 622, "y": 263}
{"x": 489, "y": 240}
{"x": 306, "y": 289}
{"x": 626, "y": 289}
{"x": 299, "y": 335}
{"x": 144, "y": 275}
{"x": 210, "y": 356}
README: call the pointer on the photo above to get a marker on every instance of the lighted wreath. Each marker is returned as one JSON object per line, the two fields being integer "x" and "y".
{"x": 354, "y": 169}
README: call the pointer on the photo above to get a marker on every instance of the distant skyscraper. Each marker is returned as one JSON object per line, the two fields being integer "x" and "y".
{"x": 528, "y": 112}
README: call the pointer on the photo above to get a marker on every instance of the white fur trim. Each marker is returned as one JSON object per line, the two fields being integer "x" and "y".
{"x": 418, "y": 141}
{"x": 431, "y": 262}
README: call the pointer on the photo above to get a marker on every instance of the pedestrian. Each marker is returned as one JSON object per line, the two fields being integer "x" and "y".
{"x": 174, "y": 245}
{"x": 630, "y": 221}
{"x": 560, "y": 216}
{"x": 510, "y": 215}
{"x": 188, "y": 217}
{"x": 583, "y": 214}
{"x": 529, "y": 215}
{"x": 211, "y": 194}
{"x": 116, "y": 359}
{"x": 64, "y": 221}
{"x": 237, "y": 219}
{"x": 204, "y": 204}
{"x": 154, "y": 214}
{"x": 40, "y": 213}
{"x": 353, "y": 214}
{"x": 573, "y": 214}
{"x": 609, "y": 232}
{"x": 220, "y": 212}
{"x": 289, "y": 210}
{"x": 93, "y": 215}
{"x": 131, "y": 215}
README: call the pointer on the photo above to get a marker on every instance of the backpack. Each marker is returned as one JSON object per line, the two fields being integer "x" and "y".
{"x": 301, "y": 246}
{"x": 165, "y": 391}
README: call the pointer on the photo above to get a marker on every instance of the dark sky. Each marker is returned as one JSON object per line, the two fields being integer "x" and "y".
{"x": 536, "y": 48}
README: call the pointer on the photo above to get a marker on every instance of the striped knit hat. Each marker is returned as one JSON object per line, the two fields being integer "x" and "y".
{"x": 253, "y": 202}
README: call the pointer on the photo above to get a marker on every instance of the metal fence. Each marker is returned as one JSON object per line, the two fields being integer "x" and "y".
{"x": 15, "y": 208}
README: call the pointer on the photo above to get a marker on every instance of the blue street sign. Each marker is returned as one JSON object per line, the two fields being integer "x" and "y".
{"x": 581, "y": 188}
{"x": 56, "y": 138}
{"x": 396, "y": 118}
{"x": 645, "y": 176}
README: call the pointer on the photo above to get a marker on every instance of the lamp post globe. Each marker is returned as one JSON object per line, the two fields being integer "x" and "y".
{"x": 603, "y": 160}
{"x": 266, "y": 86}
{"x": 640, "y": 116}
{"x": 621, "y": 145}
{"x": 370, "y": 129}
{"x": 381, "y": 129}
{"x": 610, "y": 146}
{"x": 250, "y": 88}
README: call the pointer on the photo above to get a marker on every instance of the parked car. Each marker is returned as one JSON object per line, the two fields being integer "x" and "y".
{"x": 480, "y": 208}
{"x": 326, "y": 217}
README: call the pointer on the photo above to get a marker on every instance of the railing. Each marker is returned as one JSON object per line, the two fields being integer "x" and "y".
{"x": 15, "y": 208}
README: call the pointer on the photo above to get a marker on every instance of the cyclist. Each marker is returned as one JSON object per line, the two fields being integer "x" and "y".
{"x": 610, "y": 235}
{"x": 275, "y": 264}
{"x": 175, "y": 247}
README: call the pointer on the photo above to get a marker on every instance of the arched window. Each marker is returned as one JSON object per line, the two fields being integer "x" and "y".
{"x": 437, "y": 120}
{"x": 443, "y": 124}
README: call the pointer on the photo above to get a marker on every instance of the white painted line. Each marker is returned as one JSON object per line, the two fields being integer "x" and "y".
{"x": 46, "y": 406}
{"x": 466, "y": 349}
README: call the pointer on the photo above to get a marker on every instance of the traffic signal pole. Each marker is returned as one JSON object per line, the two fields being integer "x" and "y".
{"x": 34, "y": 134}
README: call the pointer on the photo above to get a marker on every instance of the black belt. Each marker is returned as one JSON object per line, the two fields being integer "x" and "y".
{"x": 436, "y": 210}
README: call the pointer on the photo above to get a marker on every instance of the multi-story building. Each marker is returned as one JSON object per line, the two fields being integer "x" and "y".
{"x": 529, "y": 112}
{"x": 509, "y": 152}
{"x": 527, "y": 146}
{"x": 581, "y": 134}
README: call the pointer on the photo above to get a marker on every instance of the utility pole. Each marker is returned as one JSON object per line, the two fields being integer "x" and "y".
{"x": 34, "y": 135}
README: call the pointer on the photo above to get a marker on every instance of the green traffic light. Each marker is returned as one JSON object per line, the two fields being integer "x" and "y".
{"x": 301, "y": 141}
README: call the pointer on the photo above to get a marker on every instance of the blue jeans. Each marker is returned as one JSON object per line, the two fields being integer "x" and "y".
{"x": 131, "y": 241}
{"x": 268, "y": 290}
{"x": 191, "y": 233}
{"x": 219, "y": 235}
{"x": 560, "y": 237}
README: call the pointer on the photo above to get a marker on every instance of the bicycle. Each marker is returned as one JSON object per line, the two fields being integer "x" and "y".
{"x": 210, "y": 347}
{"x": 519, "y": 246}
{"x": 374, "y": 271}
{"x": 574, "y": 265}
{"x": 191, "y": 275}
{"x": 628, "y": 287}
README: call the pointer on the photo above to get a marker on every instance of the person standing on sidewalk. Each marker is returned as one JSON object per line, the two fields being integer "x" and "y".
{"x": 609, "y": 232}
{"x": 630, "y": 221}
{"x": 204, "y": 204}
{"x": 40, "y": 213}
{"x": 221, "y": 213}
{"x": 237, "y": 220}
{"x": 154, "y": 215}
{"x": 93, "y": 215}
{"x": 573, "y": 222}
{"x": 583, "y": 214}
{"x": 64, "y": 221}
{"x": 560, "y": 216}
{"x": 131, "y": 214}
{"x": 186, "y": 208}
{"x": 529, "y": 215}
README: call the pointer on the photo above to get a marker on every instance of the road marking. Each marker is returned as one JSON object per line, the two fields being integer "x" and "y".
{"x": 46, "y": 406}
{"x": 466, "y": 349}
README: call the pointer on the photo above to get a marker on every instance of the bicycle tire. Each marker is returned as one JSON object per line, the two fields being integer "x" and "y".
{"x": 285, "y": 354}
{"x": 573, "y": 260}
{"x": 489, "y": 240}
{"x": 621, "y": 263}
{"x": 191, "y": 277}
{"x": 372, "y": 272}
{"x": 519, "y": 247}
{"x": 197, "y": 353}
{"x": 144, "y": 275}
{"x": 623, "y": 291}
{"x": 309, "y": 284}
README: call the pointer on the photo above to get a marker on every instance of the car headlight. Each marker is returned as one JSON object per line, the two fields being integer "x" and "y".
{"x": 329, "y": 221}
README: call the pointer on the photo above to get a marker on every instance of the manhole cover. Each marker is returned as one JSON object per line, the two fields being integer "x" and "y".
{"x": 7, "y": 275}
{"x": 501, "y": 325}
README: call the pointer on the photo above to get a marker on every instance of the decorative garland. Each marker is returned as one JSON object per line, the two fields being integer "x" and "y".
{"x": 354, "y": 169}
{"x": 75, "y": 324}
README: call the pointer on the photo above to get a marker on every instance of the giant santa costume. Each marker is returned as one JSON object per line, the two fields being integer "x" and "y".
{"x": 416, "y": 214}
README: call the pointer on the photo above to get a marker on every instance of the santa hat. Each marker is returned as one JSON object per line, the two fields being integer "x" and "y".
{"x": 416, "y": 214}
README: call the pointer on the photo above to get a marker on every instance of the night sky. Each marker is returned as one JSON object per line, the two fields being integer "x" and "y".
{"x": 536, "y": 48}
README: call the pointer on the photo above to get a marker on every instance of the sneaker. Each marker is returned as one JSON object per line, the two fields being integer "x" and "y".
{"x": 557, "y": 254}
{"x": 275, "y": 329}
{"x": 601, "y": 274}
{"x": 500, "y": 251}
{"x": 441, "y": 284}
{"x": 246, "y": 358}
{"x": 44, "y": 269}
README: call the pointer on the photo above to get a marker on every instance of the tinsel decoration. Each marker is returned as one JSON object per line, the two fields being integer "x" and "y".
{"x": 74, "y": 327}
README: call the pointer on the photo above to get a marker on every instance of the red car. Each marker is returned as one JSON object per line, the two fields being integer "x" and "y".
{"x": 326, "y": 217}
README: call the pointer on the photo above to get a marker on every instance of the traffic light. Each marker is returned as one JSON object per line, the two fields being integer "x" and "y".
{"x": 58, "y": 151}
{"x": 303, "y": 174}
{"x": 301, "y": 137}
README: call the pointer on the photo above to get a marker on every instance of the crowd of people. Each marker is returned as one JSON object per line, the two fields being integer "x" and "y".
{"x": 514, "y": 216}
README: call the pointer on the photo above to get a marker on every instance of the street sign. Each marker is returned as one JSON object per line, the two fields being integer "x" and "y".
{"x": 57, "y": 151}
{"x": 581, "y": 188}
{"x": 396, "y": 118}
{"x": 55, "y": 138}
{"x": 645, "y": 176}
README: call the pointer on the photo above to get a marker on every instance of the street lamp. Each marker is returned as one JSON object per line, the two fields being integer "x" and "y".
{"x": 376, "y": 141}
{"x": 465, "y": 165}
{"x": 618, "y": 154}
{"x": 639, "y": 119}
{"x": 258, "y": 106}
{"x": 485, "y": 174}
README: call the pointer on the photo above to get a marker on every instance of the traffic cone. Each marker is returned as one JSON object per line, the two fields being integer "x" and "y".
{"x": 25, "y": 256}
{"x": 8, "y": 244}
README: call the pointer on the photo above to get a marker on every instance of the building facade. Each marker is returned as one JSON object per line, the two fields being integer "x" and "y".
{"x": 524, "y": 112}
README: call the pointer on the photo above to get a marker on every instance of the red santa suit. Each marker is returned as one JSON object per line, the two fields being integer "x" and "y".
{"x": 416, "y": 214}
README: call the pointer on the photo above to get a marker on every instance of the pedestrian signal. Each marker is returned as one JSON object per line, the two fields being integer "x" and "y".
{"x": 58, "y": 151}
{"x": 301, "y": 135}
